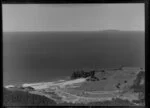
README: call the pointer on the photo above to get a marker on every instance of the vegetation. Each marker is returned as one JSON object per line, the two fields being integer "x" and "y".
{"x": 113, "y": 102}
{"x": 82, "y": 74}
{"x": 27, "y": 88}
{"x": 93, "y": 79}
{"x": 102, "y": 70}
{"x": 139, "y": 88}
{"x": 20, "y": 98}
{"x": 104, "y": 78}
{"x": 118, "y": 85}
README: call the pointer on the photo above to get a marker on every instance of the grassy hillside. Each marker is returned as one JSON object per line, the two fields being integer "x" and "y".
{"x": 20, "y": 98}
{"x": 114, "y": 102}
{"x": 128, "y": 82}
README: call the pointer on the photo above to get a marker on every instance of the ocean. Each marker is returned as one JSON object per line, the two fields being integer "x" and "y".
{"x": 45, "y": 56}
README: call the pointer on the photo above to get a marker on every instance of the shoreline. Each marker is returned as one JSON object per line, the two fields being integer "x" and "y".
{"x": 68, "y": 78}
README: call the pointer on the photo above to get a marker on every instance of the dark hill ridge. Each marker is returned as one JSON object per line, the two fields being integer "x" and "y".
{"x": 21, "y": 98}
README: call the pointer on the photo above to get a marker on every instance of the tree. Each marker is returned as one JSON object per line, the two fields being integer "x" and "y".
{"x": 92, "y": 73}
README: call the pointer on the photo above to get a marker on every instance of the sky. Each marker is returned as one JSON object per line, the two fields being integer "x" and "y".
{"x": 73, "y": 17}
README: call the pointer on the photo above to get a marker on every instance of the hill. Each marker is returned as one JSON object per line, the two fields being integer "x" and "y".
{"x": 119, "y": 87}
{"x": 21, "y": 98}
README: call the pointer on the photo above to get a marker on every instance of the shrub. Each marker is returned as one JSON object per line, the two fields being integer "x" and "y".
{"x": 82, "y": 74}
